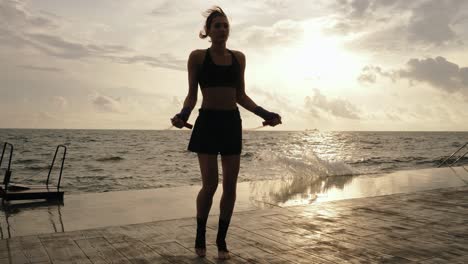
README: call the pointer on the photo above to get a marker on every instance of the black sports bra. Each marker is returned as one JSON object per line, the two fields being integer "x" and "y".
{"x": 212, "y": 75}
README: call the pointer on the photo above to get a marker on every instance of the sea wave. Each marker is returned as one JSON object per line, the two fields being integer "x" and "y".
{"x": 123, "y": 160}
{"x": 247, "y": 155}
{"x": 112, "y": 159}
{"x": 27, "y": 161}
{"x": 37, "y": 168}
{"x": 384, "y": 160}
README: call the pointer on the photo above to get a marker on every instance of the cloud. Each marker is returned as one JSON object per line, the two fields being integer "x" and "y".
{"x": 432, "y": 21}
{"x": 16, "y": 19}
{"x": 276, "y": 101}
{"x": 170, "y": 8}
{"x": 39, "y": 68}
{"x": 438, "y": 72}
{"x": 21, "y": 29}
{"x": 377, "y": 10}
{"x": 374, "y": 24}
{"x": 399, "y": 24}
{"x": 59, "y": 47}
{"x": 104, "y": 103}
{"x": 60, "y": 102}
{"x": 165, "y": 60}
{"x": 268, "y": 12}
{"x": 370, "y": 73}
{"x": 280, "y": 33}
{"x": 389, "y": 38}
{"x": 336, "y": 107}
{"x": 276, "y": 4}
{"x": 359, "y": 7}
{"x": 14, "y": 14}
{"x": 393, "y": 117}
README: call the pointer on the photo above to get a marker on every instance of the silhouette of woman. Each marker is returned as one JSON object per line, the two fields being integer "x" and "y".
{"x": 218, "y": 128}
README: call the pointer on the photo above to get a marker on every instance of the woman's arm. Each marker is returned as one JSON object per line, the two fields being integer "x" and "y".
{"x": 242, "y": 98}
{"x": 192, "y": 68}
{"x": 245, "y": 101}
{"x": 180, "y": 119}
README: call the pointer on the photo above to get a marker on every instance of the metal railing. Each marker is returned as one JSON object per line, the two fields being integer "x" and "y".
{"x": 445, "y": 161}
{"x": 61, "y": 167}
{"x": 6, "y": 179}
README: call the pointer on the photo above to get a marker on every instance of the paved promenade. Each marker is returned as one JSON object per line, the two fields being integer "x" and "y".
{"x": 421, "y": 227}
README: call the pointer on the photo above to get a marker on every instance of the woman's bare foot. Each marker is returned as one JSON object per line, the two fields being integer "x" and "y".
{"x": 223, "y": 255}
{"x": 201, "y": 252}
{"x": 200, "y": 244}
{"x": 223, "y": 252}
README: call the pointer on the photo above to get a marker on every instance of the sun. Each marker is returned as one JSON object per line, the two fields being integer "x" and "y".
{"x": 321, "y": 57}
{"x": 313, "y": 60}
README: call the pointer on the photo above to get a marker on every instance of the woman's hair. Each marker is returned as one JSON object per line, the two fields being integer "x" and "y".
{"x": 210, "y": 14}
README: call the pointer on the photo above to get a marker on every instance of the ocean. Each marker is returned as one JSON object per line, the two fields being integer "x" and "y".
{"x": 113, "y": 160}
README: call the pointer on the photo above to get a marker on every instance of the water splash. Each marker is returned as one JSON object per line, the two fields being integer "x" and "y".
{"x": 304, "y": 164}
{"x": 305, "y": 175}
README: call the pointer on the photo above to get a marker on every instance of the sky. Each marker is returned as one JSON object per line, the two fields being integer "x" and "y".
{"x": 345, "y": 65}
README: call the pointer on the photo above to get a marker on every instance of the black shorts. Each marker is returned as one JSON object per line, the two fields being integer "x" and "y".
{"x": 217, "y": 131}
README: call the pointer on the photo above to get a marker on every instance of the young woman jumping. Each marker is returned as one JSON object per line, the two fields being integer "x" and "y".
{"x": 218, "y": 128}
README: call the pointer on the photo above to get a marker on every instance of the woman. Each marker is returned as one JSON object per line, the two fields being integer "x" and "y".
{"x": 218, "y": 128}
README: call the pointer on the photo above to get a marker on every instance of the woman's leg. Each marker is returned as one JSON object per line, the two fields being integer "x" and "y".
{"x": 231, "y": 164}
{"x": 209, "y": 172}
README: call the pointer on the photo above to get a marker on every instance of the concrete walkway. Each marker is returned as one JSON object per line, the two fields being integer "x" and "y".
{"x": 99, "y": 210}
{"x": 420, "y": 227}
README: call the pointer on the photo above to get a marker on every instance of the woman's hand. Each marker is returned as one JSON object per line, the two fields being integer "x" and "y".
{"x": 177, "y": 122}
{"x": 180, "y": 123}
{"x": 271, "y": 118}
{"x": 273, "y": 121}
{"x": 180, "y": 119}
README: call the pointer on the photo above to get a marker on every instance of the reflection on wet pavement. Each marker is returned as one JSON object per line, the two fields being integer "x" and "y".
{"x": 47, "y": 217}
{"x": 94, "y": 210}
{"x": 301, "y": 189}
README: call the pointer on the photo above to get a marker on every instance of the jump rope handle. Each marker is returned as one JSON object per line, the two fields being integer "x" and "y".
{"x": 188, "y": 125}
{"x": 268, "y": 122}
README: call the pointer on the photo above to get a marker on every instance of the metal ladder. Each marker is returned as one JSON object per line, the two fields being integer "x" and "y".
{"x": 6, "y": 179}
{"x": 445, "y": 162}
{"x": 61, "y": 167}
{"x": 16, "y": 191}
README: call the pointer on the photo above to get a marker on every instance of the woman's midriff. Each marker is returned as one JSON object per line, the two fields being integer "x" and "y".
{"x": 223, "y": 98}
